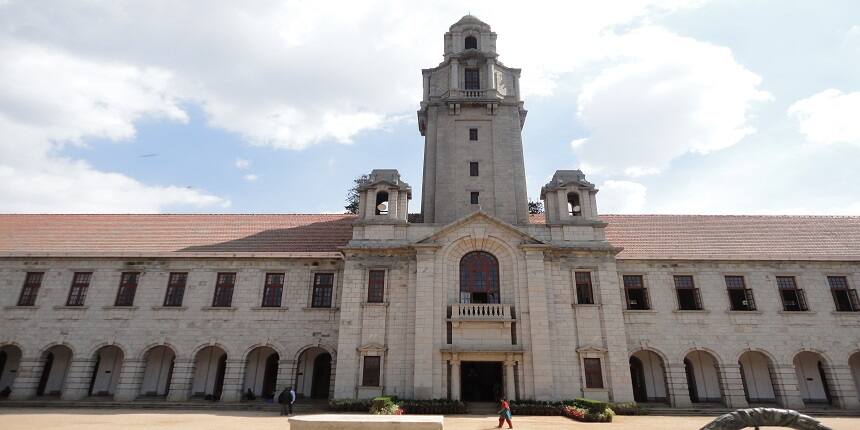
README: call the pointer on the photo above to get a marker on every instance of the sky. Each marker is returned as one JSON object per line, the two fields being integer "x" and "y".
{"x": 694, "y": 107}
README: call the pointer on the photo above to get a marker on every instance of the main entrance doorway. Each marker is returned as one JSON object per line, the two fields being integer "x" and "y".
{"x": 481, "y": 381}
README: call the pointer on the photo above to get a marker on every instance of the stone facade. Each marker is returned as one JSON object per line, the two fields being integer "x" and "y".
{"x": 475, "y": 302}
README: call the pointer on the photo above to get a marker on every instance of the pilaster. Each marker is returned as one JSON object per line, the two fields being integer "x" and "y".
{"x": 676, "y": 379}
{"x": 180, "y": 382}
{"x": 27, "y": 381}
{"x": 455, "y": 379}
{"x": 130, "y": 378}
{"x": 78, "y": 378}
{"x": 786, "y": 387}
{"x": 541, "y": 352}
{"x": 424, "y": 318}
{"x": 732, "y": 385}
{"x": 843, "y": 386}
{"x": 286, "y": 375}
{"x": 233, "y": 375}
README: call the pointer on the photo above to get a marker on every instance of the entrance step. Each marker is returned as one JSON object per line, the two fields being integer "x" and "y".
{"x": 482, "y": 408}
{"x": 301, "y": 406}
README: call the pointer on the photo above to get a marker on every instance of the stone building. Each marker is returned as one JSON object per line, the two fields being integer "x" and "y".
{"x": 471, "y": 299}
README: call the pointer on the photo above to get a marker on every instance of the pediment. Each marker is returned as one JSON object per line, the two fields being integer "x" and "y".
{"x": 475, "y": 218}
{"x": 591, "y": 349}
{"x": 372, "y": 347}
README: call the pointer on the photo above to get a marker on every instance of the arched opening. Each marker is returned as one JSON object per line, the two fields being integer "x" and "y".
{"x": 10, "y": 359}
{"x": 703, "y": 380}
{"x": 210, "y": 364}
{"x": 757, "y": 377}
{"x": 105, "y": 376}
{"x": 313, "y": 374}
{"x": 648, "y": 375}
{"x": 854, "y": 364}
{"x": 382, "y": 203}
{"x": 55, "y": 366}
{"x": 479, "y": 278}
{"x": 261, "y": 373}
{"x": 158, "y": 371}
{"x": 471, "y": 42}
{"x": 574, "y": 207}
{"x": 811, "y": 378}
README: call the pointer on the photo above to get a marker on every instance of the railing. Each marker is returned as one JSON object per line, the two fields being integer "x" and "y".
{"x": 473, "y": 94}
{"x": 481, "y": 311}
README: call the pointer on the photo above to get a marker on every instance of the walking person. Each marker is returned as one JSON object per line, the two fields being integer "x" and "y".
{"x": 292, "y": 399}
{"x": 505, "y": 414}
{"x": 284, "y": 400}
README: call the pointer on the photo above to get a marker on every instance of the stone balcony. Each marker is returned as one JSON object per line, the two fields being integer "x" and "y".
{"x": 481, "y": 312}
{"x": 458, "y": 94}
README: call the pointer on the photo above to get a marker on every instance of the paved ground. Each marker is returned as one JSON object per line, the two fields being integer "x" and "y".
{"x": 83, "y": 419}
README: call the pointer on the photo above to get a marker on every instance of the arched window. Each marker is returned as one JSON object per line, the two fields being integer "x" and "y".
{"x": 479, "y": 278}
{"x": 471, "y": 42}
{"x": 382, "y": 203}
{"x": 574, "y": 208}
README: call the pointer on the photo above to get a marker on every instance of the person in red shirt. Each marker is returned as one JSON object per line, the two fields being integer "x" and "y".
{"x": 505, "y": 414}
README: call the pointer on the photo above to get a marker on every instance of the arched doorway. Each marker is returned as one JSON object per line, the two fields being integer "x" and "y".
{"x": 313, "y": 373}
{"x": 854, "y": 364}
{"x": 210, "y": 364}
{"x": 261, "y": 372}
{"x": 157, "y": 372}
{"x": 55, "y": 366}
{"x": 756, "y": 376}
{"x": 10, "y": 359}
{"x": 703, "y": 381}
{"x": 648, "y": 375}
{"x": 105, "y": 376}
{"x": 811, "y": 378}
{"x": 479, "y": 278}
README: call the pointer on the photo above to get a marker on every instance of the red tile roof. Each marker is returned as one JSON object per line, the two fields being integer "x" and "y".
{"x": 687, "y": 237}
{"x": 166, "y": 234}
{"x": 733, "y": 237}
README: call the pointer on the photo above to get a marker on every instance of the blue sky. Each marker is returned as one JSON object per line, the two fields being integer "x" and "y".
{"x": 275, "y": 106}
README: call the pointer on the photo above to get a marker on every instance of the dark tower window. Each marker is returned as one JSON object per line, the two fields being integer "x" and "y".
{"x": 573, "y": 206}
{"x": 382, "y": 203}
{"x": 471, "y": 42}
{"x": 473, "y": 197}
{"x": 479, "y": 278}
{"x": 473, "y": 168}
{"x": 473, "y": 134}
{"x": 472, "y": 79}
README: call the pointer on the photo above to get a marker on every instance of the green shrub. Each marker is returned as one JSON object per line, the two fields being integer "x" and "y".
{"x": 595, "y": 406}
{"x": 629, "y": 408}
{"x": 535, "y": 407}
{"x": 434, "y": 406}
{"x": 349, "y": 405}
{"x": 385, "y": 405}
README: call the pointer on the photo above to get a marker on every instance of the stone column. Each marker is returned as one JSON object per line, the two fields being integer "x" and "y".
{"x": 424, "y": 318}
{"x": 541, "y": 353}
{"x": 233, "y": 378}
{"x": 27, "y": 381}
{"x": 510, "y": 388}
{"x": 349, "y": 331}
{"x": 785, "y": 384}
{"x": 842, "y": 386}
{"x": 393, "y": 203}
{"x": 455, "y": 74}
{"x": 491, "y": 74}
{"x": 732, "y": 386}
{"x": 617, "y": 359}
{"x": 130, "y": 378}
{"x": 676, "y": 379}
{"x": 180, "y": 382}
{"x": 371, "y": 204}
{"x": 286, "y": 375}
{"x": 78, "y": 377}
{"x": 455, "y": 379}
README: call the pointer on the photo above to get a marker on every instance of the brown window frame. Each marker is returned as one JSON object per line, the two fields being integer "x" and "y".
{"x": 584, "y": 287}
{"x": 225, "y": 284}
{"x": 473, "y": 134}
{"x": 78, "y": 291}
{"x": 741, "y": 298}
{"x": 475, "y": 197}
{"x": 376, "y": 286}
{"x": 688, "y": 295}
{"x": 646, "y": 303}
{"x": 844, "y": 297}
{"x": 593, "y": 370}
{"x": 786, "y": 291}
{"x": 273, "y": 290}
{"x": 175, "y": 293}
{"x": 473, "y": 168}
{"x": 471, "y": 78}
{"x": 30, "y": 289}
{"x": 127, "y": 289}
{"x": 322, "y": 295}
{"x": 371, "y": 371}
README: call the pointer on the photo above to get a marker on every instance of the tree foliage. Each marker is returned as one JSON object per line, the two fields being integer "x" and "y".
{"x": 352, "y": 195}
{"x": 535, "y": 207}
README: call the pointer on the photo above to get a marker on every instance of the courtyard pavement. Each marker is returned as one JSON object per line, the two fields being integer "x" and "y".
{"x": 101, "y": 419}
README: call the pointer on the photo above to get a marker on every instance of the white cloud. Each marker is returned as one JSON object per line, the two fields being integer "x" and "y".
{"x": 250, "y": 177}
{"x": 667, "y": 96}
{"x": 620, "y": 197}
{"x": 242, "y": 163}
{"x": 830, "y": 116}
{"x": 49, "y": 99}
